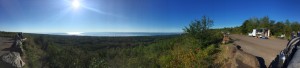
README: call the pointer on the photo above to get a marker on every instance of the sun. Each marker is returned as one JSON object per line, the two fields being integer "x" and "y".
{"x": 75, "y": 4}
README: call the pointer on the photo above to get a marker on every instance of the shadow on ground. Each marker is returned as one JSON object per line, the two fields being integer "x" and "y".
{"x": 261, "y": 62}
{"x": 6, "y": 49}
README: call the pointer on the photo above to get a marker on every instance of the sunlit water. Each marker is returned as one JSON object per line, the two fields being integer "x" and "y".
{"x": 118, "y": 33}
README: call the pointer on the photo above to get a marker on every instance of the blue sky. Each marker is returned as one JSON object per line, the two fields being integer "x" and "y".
{"x": 135, "y": 15}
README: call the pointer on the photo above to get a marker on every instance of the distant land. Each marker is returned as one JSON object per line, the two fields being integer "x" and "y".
{"x": 118, "y": 33}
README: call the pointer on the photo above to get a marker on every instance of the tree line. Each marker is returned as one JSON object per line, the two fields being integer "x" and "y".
{"x": 277, "y": 27}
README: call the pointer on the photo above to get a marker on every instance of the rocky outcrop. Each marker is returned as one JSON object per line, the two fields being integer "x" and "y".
{"x": 234, "y": 57}
{"x": 242, "y": 59}
{"x": 14, "y": 59}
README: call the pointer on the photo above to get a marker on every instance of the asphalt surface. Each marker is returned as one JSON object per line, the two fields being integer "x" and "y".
{"x": 265, "y": 48}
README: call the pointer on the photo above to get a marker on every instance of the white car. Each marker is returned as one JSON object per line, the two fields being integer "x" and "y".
{"x": 251, "y": 34}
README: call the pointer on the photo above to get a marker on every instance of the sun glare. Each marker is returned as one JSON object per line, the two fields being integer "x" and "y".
{"x": 75, "y": 4}
{"x": 74, "y": 33}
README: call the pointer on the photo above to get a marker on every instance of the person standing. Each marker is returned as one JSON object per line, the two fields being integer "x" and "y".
{"x": 293, "y": 35}
{"x": 298, "y": 34}
{"x": 18, "y": 43}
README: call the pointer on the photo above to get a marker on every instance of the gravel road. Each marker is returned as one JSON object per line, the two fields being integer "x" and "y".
{"x": 265, "y": 48}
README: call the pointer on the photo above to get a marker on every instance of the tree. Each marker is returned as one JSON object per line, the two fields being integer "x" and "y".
{"x": 287, "y": 28}
{"x": 265, "y": 22}
{"x": 200, "y": 29}
{"x": 295, "y": 26}
{"x": 247, "y": 27}
{"x": 255, "y": 22}
{"x": 279, "y": 28}
{"x": 272, "y": 27}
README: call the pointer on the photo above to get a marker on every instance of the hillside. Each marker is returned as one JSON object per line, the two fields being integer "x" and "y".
{"x": 84, "y": 51}
{"x": 197, "y": 47}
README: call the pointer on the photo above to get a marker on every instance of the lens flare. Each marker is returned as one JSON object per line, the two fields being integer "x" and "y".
{"x": 76, "y": 4}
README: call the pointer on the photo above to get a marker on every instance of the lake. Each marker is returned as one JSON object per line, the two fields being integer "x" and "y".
{"x": 120, "y": 33}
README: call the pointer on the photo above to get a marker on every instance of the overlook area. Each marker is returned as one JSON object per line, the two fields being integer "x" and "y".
{"x": 149, "y": 33}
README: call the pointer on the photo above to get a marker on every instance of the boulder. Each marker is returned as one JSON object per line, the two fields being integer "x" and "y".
{"x": 14, "y": 59}
{"x": 232, "y": 56}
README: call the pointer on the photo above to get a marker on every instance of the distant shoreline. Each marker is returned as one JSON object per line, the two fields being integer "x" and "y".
{"x": 110, "y": 34}
{"x": 120, "y": 34}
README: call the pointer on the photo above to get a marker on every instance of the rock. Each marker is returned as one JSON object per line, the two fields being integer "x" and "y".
{"x": 14, "y": 59}
{"x": 225, "y": 39}
{"x": 245, "y": 60}
{"x": 234, "y": 57}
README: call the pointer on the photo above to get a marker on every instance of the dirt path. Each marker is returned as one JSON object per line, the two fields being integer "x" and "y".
{"x": 265, "y": 48}
{"x": 5, "y": 44}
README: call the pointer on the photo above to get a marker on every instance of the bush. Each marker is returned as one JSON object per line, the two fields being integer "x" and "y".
{"x": 34, "y": 54}
{"x": 200, "y": 30}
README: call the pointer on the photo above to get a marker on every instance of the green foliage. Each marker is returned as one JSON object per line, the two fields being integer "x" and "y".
{"x": 124, "y": 52}
{"x": 200, "y": 29}
{"x": 264, "y": 22}
{"x": 188, "y": 54}
{"x": 247, "y": 26}
{"x": 233, "y": 30}
{"x": 34, "y": 54}
{"x": 255, "y": 23}
{"x": 277, "y": 28}
{"x": 295, "y": 26}
{"x": 179, "y": 51}
{"x": 7, "y": 34}
{"x": 97, "y": 52}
